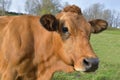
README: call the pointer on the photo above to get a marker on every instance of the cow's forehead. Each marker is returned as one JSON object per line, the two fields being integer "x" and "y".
{"x": 75, "y": 22}
{"x": 70, "y": 18}
{"x": 66, "y": 15}
{"x": 73, "y": 19}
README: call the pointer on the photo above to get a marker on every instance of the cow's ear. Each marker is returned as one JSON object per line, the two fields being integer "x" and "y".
{"x": 98, "y": 25}
{"x": 49, "y": 22}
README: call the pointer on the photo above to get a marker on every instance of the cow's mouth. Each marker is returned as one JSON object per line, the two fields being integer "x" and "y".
{"x": 85, "y": 69}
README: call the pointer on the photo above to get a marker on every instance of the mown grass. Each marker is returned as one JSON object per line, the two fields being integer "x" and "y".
{"x": 107, "y": 47}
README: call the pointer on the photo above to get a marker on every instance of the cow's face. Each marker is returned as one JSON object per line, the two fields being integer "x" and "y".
{"x": 72, "y": 34}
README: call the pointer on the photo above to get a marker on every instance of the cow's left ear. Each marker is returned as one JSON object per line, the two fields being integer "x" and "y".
{"x": 49, "y": 22}
{"x": 98, "y": 25}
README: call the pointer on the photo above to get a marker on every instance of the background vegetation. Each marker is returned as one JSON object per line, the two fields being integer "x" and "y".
{"x": 40, "y": 7}
{"x": 107, "y": 47}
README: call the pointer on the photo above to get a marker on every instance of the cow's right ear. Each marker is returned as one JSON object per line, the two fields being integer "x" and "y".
{"x": 49, "y": 22}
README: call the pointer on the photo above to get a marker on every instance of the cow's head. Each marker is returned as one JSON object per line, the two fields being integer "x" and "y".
{"x": 71, "y": 37}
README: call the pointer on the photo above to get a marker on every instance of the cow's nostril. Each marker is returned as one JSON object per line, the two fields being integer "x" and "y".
{"x": 91, "y": 64}
{"x": 86, "y": 63}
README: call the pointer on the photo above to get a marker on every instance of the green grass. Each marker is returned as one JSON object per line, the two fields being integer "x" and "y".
{"x": 107, "y": 47}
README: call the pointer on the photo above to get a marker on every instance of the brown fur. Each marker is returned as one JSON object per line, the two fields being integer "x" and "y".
{"x": 96, "y": 23}
{"x": 30, "y": 50}
{"x": 73, "y": 9}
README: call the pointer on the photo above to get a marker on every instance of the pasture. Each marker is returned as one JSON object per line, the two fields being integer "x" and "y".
{"x": 107, "y": 47}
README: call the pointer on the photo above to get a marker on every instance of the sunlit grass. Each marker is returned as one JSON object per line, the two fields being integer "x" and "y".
{"x": 107, "y": 47}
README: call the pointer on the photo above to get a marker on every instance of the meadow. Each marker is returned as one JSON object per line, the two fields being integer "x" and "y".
{"x": 107, "y": 47}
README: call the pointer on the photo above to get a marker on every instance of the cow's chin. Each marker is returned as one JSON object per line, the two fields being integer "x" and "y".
{"x": 79, "y": 69}
{"x": 83, "y": 69}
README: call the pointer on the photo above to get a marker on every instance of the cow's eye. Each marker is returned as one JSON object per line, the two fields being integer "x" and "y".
{"x": 65, "y": 33}
{"x": 64, "y": 29}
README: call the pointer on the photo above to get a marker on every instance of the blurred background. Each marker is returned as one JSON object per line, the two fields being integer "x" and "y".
{"x": 106, "y": 44}
{"x": 103, "y": 9}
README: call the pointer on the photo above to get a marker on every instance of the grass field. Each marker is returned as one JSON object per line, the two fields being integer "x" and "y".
{"x": 107, "y": 47}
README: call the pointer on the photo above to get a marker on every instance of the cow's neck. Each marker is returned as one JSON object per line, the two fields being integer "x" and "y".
{"x": 48, "y": 60}
{"x": 46, "y": 69}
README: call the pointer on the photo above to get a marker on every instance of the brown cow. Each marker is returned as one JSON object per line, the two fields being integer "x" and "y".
{"x": 33, "y": 47}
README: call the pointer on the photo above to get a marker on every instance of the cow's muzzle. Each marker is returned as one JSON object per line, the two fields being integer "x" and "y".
{"x": 90, "y": 64}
